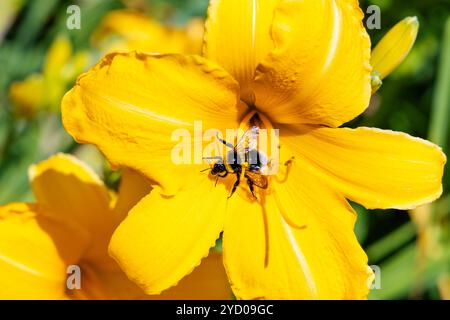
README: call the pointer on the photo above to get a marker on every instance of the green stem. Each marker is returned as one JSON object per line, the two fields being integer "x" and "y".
{"x": 11, "y": 135}
{"x": 441, "y": 101}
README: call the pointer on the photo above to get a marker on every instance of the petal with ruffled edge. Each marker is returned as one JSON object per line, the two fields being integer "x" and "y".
{"x": 131, "y": 105}
{"x": 376, "y": 168}
{"x": 319, "y": 71}
{"x": 73, "y": 192}
{"x": 295, "y": 242}
{"x": 164, "y": 238}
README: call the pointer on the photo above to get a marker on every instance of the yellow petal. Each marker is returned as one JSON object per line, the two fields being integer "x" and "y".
{"x": 73, "y": 192}
{"x": 28, "y": 96}
{"x": 207, "y": 282}
{"x": 238, "y": 38}
{"x": 394, "y": 46}
{"x": 35, "y": 251}
{"x": 103, "y": 284}
{"x": 376, "y": 168}
{"x": 164, "y": 238}
{"x": 133, "y": 187}
{"x": 130, "y": 105}
{"x": 319, "y": 71}
{"x": 195, "y": 30}
{"x": 298, "y": 243}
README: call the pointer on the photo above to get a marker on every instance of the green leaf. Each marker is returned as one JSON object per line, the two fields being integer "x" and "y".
{"x": 397, "y": 275}
{"x": 39, "y": 139}
{"x": 441, "y": 101}
{"x": 440, "y": 117}
{"x": 36, "y": 16}
{"x": 362, "y": 222}
{"x": 391, "y": 242}
{"x": 401, "y": 277}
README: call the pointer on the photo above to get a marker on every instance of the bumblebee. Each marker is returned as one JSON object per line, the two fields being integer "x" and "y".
{"x": 244, "y": 161}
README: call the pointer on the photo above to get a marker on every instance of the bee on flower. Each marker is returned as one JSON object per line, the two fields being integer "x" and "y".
{"x": 301, "y": 67}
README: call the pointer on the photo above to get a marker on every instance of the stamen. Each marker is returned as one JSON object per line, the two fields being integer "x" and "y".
{"x": 288, "y": 164}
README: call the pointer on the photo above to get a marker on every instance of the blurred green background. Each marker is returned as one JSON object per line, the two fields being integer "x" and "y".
{"x": 411, "y": 249}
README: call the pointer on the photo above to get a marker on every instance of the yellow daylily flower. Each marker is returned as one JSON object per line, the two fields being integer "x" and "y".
{"x": 71, "y": 224}
{"x": 393, "y": 48}
{"x": 300, "y": 66}
{"x": 44, "y": 91}
{"x": 125, "y": 30}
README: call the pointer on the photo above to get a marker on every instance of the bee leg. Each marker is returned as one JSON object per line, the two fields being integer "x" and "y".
{"x": 224, "y": 175}
{"x": 236, "y": 184}
{"x": 252, "y": 189}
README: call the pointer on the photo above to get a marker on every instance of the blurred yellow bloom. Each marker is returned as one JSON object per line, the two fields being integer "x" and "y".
{"x": 393, "y": 49}
{"x": 119, "y": 31}
{"x": 304, "y": 70}
{"x": 71, "y": 224}
{"x": 128, "y": 30}
{"x": 44, "y": 91}
{"x": 444, "y": 286}
{"x": 28, "y": 95}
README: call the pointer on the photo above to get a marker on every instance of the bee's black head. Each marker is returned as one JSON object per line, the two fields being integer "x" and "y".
{"x": 218, "y": 168}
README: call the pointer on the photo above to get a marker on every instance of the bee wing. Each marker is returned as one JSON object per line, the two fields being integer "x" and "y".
{"x": 248, "y": 141}
{"x": 258, "y": 179}
{"x": 212, "y": 160}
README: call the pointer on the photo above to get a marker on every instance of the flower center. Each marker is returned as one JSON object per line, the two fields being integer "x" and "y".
{"x": 255, "y": 118}
{"x": 247, "y": 160}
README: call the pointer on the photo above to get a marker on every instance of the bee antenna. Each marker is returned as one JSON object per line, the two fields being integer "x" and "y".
{"x": 205, "y": 169}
